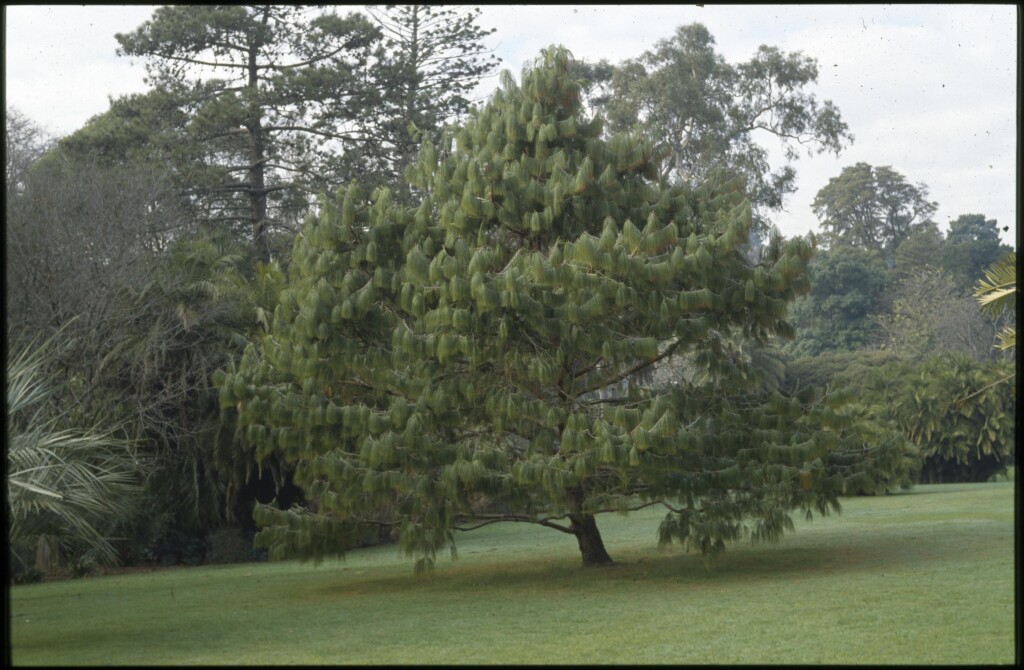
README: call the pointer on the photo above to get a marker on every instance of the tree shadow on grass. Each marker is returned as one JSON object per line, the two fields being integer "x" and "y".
{"x": 741, "y": 562}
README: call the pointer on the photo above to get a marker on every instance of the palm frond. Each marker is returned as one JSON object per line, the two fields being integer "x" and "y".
{"x": 996, "y": 291}
{"x": 60, "y": 480}
{"x": 997, "y": 294}
{"x": 1007, "y": 338}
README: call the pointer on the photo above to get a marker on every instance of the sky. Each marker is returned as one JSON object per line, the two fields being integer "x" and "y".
{"x": 929, "y": 90}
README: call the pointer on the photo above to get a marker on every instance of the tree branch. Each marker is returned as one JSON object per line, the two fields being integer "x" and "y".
{"x": 671, "y": 349}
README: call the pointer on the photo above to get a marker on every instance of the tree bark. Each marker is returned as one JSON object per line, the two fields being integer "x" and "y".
{"x": 584, "y": 527}
{"x": 257, "y": 158}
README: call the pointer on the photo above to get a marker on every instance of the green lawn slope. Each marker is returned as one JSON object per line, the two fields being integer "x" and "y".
{"x": 923, "y": 577}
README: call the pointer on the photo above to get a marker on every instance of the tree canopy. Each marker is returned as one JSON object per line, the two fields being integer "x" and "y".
{"x": 263, "y": 90}
{"x": 972, "y": 246}
{"x": 957, "y": 411}
{"x": 872, "y": 207}
{"x": 436, "y": 57}
{"x": 479, "y": 356}
{"x": 849, "y": 288}
{"x": 709, "y": 114}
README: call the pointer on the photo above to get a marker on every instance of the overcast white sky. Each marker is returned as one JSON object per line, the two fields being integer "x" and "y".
{"x": 930, "y": 90}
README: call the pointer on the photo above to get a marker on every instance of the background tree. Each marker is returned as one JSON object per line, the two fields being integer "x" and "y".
{"x": 24, "y": 143}
{"x": 930, "y": 313}
{"x": 709, "y": 113}
{"x": 149, "y": 133}
{"x": 130, "y": 227}
{"x": 849, "y": 287}
{"x": 835, "y": 369}
{"x": 972, "y": 246}
{"x": 973, "y": 228}
{"x": 923, "y": 249}
{"x": 872, "y": 208}
{"x": 147, "y": 308}
{"x": 932, "y": 309}
{"x": 915, "y": 303}
{"x": 264, "y": 89}
{"x": 436, "y": 57}
{"x": 79, "y": 236}
{"x": 485, "y": 344}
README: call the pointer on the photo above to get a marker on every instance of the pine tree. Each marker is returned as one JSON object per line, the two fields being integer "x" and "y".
{"x": 491, "y": 344}
{"x": 435, "y": 58}
{"x": 275, "y": 102}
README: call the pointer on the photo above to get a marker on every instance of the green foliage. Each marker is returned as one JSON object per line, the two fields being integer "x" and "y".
{"x": 872, "y": 208}
{"x": 489, "y": 341}
{"x": 137, "y": 322}
{"x": 933, "y": 279}
{"x": 849, "y": 287}
{"x": 930, "y": 313}
{"x": 260, "y": 108}
{"x": 951, "y": 408}
{"x": 972, "y": 246}
{"x": 435, "y": 58}
{"x": 63, "y": 480}
{"x": 703, "y": 110}
{"x": 915, "y": 303}
{"x": 844, "y": 373}
{"x": 997, "y": 293}
{"x": 254, "y": 93}
{"x": 958, "y": 440}
{"x": 923, "y": 248}
{"x": 834, "y": 369}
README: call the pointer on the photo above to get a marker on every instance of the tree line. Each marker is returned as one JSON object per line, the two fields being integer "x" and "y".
{"x": 305, "y": 286}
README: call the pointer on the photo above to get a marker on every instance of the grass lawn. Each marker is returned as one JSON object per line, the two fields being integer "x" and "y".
{"x": 923, "y": 577}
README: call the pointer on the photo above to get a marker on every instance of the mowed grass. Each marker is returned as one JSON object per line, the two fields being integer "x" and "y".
{"x": 923, "y": 577}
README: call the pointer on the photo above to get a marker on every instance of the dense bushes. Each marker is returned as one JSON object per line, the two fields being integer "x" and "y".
{"x": 952, "y": 408}
{"x": 821, "y": 370}
{"x": 955, "y": 410}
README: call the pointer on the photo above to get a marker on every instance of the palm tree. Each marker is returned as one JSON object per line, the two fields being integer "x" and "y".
{"x": 63, "y": 482}
{"x": 997, "y": 293}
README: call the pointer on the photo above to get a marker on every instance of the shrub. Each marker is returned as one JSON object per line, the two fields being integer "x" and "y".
{"x": 898, "y": 460}
{"x": 64, "y": 481}
{"x": 825, "y": 369}
{"x": 179, "y": 547}
{"x": 954, "y": 409}
{"x": 228, "y": 545}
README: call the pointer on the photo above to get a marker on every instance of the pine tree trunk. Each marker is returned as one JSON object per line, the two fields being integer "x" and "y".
{"x": 257, "y": 158}
{"x": 584, "y": 526}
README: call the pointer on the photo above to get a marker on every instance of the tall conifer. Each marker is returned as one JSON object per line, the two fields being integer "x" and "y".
{"x": 487, "y": 345}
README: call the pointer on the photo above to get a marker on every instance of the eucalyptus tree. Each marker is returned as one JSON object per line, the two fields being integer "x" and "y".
{"x": 710, "y": 113}
{"x": 482, "y": 346}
